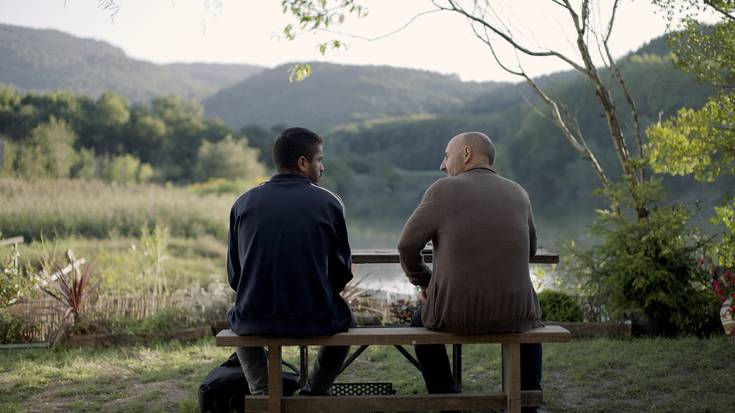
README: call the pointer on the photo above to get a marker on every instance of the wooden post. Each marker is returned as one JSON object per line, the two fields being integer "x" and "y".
{"x": 274, "y": 379}
{"x": 12, "y": 241}
{"x": 512, "y": 377}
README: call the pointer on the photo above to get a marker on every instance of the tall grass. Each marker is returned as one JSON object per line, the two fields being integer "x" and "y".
{"x": 61, "y": 208}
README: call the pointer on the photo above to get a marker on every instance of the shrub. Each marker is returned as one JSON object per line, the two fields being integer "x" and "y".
{"x": 559, "y": 306}
{"x": 220, "y": 186}
{"x": 15, "y": 280}
{"x": 74, "y": 290}
{"x": 647, "y": 267}
{"x": 16, "y": 329}
{"x": 125, "y": 169}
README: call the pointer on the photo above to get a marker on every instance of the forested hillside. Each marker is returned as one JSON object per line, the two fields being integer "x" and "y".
{"x": 337, "y": 94}
{"x": 386, "y": 128}
{"x": 531, "y": 150}
{"x": 47, "y": 60}
{"x": 216, "y": 76}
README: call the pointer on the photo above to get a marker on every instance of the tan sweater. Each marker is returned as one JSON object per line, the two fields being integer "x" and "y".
{"x": 481, "y": 227}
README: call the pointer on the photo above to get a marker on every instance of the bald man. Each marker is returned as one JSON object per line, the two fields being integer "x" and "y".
{"x": 482, "y": 231}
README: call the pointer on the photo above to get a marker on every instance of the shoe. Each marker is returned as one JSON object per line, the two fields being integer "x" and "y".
{"x": 305, "y": 392}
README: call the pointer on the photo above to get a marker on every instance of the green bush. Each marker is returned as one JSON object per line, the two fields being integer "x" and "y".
{"x": 559, "y": 306}
{"x": 648, "y": 267}
{"x": 15, "y": 279}
{"x": 16, "y": 329}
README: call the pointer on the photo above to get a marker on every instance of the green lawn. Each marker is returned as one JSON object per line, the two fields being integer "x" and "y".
{"x": 600, "y": 375}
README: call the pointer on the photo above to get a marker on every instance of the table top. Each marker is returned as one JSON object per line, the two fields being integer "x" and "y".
{"x": 390, "y": 256}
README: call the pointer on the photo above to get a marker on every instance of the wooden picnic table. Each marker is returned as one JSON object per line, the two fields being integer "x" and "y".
{"x": 390, "y": 256}
{"x": 511, "y": 399}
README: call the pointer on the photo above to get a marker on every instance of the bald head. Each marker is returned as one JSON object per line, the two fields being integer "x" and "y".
{"x": 481, "y": 145}
{"x": 467, "y": 151}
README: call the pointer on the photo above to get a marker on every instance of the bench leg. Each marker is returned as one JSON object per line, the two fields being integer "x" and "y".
{"x": 303, "y": 366}
{"x": 275, "y": 391}
{"x": 457, "y": 366}
{"x": 512, "y": 377}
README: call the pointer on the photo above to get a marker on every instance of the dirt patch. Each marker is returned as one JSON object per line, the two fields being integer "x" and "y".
{"x": 164, "y": 395}
{"x": 156, "y": 396}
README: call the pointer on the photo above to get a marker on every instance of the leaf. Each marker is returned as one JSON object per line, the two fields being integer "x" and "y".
{"x": 299, "y": 72}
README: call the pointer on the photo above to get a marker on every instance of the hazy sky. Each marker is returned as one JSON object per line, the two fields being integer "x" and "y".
{"x": 248, "y": 31}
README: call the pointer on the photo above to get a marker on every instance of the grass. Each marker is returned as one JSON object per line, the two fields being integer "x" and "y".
{"x": 94, "y": 209}
{"x": 598, "y": 375}
{"x": 118, "y": 262}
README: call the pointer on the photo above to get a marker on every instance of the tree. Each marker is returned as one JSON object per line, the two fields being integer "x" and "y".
{"x": 126, "y": 169}
{"x": 228, "y": 158}
{"x": 48, "y": 152}
{"x": 702, "y": 141}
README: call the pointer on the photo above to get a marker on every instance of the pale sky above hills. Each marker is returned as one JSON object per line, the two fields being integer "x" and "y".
{"x": 248, "y": 31}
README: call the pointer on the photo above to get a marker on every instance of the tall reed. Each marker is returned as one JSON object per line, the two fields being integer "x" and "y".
{"x": 60, "y": 208}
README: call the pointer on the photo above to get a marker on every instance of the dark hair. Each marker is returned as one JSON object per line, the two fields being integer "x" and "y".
{"x": 293, "y": 143}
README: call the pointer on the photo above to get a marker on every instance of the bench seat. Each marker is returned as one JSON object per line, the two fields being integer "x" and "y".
{"x": 511, "y": 399}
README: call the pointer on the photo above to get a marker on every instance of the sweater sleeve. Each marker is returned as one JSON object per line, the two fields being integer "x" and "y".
{"x": 233, "y": 255}
{"x": 419, "y": 229}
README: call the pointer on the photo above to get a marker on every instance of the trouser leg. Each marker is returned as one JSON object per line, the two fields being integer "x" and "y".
{"x": 531, "y": 360}
{"x": 255, "y": 366}
{"x": 328, "y": 362}
{"x": 434, "y": 363}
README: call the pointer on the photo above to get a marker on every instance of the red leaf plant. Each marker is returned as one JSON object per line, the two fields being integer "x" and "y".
{"x": 74, "y": 290}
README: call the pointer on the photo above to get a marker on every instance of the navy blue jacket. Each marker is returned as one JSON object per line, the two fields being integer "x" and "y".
{"x": 288, "y": 258}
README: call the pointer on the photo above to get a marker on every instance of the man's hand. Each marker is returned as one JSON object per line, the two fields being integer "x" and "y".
{"x": 421, "y": 295}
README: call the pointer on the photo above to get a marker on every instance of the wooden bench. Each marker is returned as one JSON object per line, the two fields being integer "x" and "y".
{"x": 511, "y": 399}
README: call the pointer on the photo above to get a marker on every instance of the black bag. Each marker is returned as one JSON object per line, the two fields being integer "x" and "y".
{"x": 225, "y": 387}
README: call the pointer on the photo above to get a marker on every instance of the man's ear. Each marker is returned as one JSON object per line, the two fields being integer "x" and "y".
{"x": 303, "y": 164}
{"x": 467, "y": 155}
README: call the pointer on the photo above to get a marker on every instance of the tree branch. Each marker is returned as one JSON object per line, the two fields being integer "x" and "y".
{"x": 487, "y": 42}
{"x": 455, "y": 8}
{"x": 577, "y": 143}
{"x": 382, "y": 36}
{"x": 611, "y": 22}
{"x": 719, "y": 9}
{"x": 615, "y": 70}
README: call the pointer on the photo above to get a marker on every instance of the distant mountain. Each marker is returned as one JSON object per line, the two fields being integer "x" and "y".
{"x": 44, "y": 60}
{"x": 216, "y": 75}
{"x": 338, "y": 94}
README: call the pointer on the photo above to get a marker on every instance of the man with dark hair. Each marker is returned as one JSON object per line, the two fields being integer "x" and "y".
{"x": 288, "y": 259}
{"x": 483, "y": 235}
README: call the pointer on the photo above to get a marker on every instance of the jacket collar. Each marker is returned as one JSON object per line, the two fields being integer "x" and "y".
{"x": 481, "y": 168}
{"x": 289, "y": 177}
